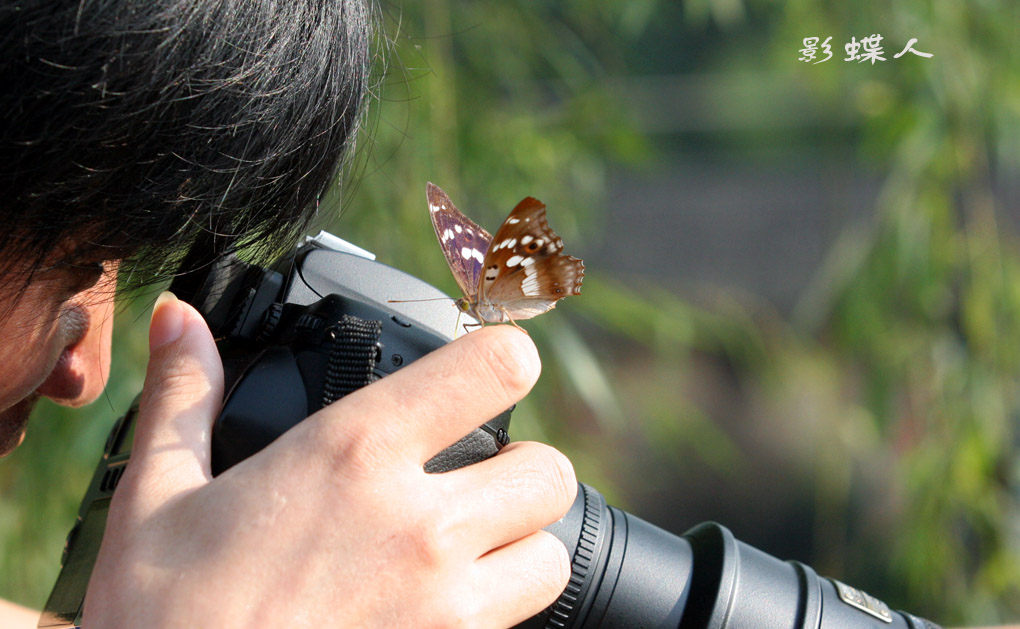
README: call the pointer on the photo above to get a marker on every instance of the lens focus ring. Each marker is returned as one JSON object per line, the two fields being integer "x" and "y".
{"x": 585, "y": 554}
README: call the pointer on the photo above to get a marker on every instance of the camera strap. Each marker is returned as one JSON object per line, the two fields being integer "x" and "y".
{"x": 352, "y": 357}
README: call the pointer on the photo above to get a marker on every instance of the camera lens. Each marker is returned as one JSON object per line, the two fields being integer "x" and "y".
{"x": 625, "y": 572}
{"x": 629, "y": 573}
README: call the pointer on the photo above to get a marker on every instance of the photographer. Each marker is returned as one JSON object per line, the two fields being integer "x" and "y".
{"x": 131, "y": 129}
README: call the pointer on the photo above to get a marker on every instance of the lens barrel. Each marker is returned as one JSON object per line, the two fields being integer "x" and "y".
{"x": 628, "y": 573}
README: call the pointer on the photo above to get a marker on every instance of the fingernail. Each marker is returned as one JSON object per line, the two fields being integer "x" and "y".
{"x": 167, "y": 321}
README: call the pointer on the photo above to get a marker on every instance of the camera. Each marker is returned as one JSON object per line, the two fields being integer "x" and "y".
{"x": 318, "y": 324}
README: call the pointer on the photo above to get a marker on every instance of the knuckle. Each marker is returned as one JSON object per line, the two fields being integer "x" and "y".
{"x": 173, "y": 374}
{"x": 348, "y": 447}
{"x": 452, "y": 603}
{"x": 173, "y": 386}
{"x": 460, "y": 612}
{"x": 558, "y": 474}
{"x": 166, "y": 377}
{"x": 429, "y": 542}
{"x": 555, "y": 568}
{"x": 536, "y": 477}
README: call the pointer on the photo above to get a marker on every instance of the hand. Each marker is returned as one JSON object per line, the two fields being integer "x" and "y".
{"x": 335, "y": 522}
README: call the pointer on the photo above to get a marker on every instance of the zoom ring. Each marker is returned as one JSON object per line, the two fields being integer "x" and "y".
{"x": 581, "y": 562}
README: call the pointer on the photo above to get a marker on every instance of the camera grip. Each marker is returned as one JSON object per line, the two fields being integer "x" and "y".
{"x": 476, "y": 446}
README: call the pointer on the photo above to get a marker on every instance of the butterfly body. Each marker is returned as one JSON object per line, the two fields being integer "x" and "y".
{"x": 486, "y": 313}
{"x": 518, "y": 274}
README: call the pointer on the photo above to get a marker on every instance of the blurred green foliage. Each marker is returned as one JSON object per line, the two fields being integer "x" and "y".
{"x": 891, "y": 386}
{"x": 924, "y": 309}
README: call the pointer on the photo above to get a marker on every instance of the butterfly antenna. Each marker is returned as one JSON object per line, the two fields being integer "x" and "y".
{"x": 409, "y": 301}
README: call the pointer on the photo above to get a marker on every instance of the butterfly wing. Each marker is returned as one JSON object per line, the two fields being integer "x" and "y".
{"x": 525, "y": 271}
{"x": 463, "y": 242}
{"x": 538, "y": 287}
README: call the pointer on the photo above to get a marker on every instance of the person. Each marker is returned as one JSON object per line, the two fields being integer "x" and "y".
{"x": 131, "y": 128}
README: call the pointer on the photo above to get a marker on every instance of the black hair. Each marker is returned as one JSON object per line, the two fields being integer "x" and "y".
{"x": 131, "y": 128}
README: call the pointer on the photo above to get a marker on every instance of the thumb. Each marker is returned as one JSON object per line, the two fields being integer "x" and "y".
{"x": 183, "y": 393}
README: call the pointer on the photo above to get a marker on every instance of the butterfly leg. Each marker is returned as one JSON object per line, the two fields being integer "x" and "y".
{"x": 511, "y": 320}
{"x": 457, "y": 326}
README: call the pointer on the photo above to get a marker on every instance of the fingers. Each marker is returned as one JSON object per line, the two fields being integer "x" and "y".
{"x": 433, "y": 402}
{"x": 529, "y": 575}
{"x": 183, "y": 392}
{"x": 525, "y": 487}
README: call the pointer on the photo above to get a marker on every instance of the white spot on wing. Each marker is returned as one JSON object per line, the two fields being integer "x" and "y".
{"x": 513, "y": 221}
{"x": 527, "y": 261}
{"x": 458, "y": 228}
{"x": 478, "y": 255}
{"x": 466, "y": 252}
{"x": 526, "y": 240}
{"x": 530, "y": 286}
{"x": 447, "y": 234}
{"x": 514, "y": 261}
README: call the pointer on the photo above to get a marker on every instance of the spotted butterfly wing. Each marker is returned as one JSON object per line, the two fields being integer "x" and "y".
{"x": 525, "y": 271}
{"x": 463, "y": 242}
{"x": 522, "y": 271}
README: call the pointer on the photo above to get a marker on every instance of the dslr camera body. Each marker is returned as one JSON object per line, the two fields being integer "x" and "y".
{"x": 317, "y": 325}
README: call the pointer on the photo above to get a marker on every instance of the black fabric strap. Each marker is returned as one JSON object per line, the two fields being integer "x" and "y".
{"x": 351, "y": 358}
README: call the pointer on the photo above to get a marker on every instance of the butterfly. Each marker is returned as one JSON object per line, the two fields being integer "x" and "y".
{"x": 518, "y": 274}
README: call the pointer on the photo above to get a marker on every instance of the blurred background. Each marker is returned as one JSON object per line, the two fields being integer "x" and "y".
{"x": 801, "y": 309}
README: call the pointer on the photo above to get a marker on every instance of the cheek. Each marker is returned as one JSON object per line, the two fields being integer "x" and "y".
{"x": 104, "y": 320}
{"x": 95, "y": 347}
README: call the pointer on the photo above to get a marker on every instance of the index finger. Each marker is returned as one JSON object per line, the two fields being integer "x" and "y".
{"x": 433, "y": 402}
